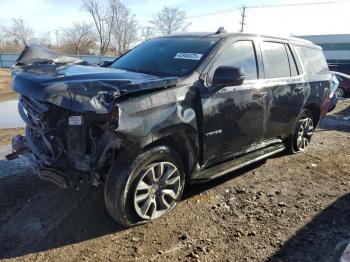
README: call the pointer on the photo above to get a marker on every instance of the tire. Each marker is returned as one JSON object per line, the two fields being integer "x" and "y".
{"x": 302, "y": 133}
{"x": 146, "y": 187}
{"x": 339, "y": 92}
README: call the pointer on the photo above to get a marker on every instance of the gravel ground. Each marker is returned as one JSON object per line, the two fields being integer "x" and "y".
{"x": 288, "y": 208}
{"x": 6, "y": 134}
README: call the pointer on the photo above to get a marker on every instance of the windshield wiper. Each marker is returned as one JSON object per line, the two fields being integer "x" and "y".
{"x": 128, "y": 69}
{"x": 157, "y": 73}
{"x": 144, "y": 71}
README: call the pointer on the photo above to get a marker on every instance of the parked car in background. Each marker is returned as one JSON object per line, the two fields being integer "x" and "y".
{"x": 342, "y": 68}
{"x": 343, "y": 89}
{"x": 334, "y": 98}
{"x": 174, "y": 110}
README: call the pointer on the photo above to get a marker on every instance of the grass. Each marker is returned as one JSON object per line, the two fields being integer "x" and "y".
{"x": 6, "y": 92}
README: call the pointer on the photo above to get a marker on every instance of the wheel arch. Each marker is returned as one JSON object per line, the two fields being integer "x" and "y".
{"x": 182, "y": 138}
{"x": 315, "y": 110}
{"x": 184, "y": 146}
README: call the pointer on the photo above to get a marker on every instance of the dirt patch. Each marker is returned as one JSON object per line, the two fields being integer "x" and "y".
{"x": 288, "y": 208}
{"x": 6, "y": 92}
{"x": 7, "y": 134}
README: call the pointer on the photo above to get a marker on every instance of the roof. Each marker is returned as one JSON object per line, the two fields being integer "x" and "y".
{"x": 231, "y": 35}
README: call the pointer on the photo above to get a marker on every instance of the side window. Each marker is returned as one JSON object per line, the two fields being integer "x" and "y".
{"x": 239, "y": 54}
{"x": 313, "y": 60}
{"x": 276, "y": 64}
{"x": 293, "y": 66}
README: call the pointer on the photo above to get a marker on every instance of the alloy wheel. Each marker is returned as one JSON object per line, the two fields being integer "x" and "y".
{"x": 305, "y": 133}
{"x": 339, "y": 92}
{"x": 157, "y": 190}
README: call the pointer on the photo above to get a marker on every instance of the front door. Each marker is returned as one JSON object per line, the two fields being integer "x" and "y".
{"x": 233, "y": 116}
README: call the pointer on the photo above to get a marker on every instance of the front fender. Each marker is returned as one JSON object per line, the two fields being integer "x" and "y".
{"x": 145, "y": 119}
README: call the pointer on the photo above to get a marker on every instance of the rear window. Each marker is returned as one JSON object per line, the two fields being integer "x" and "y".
{"x": 276, "y": 62}
{"x": 313, "y": 60}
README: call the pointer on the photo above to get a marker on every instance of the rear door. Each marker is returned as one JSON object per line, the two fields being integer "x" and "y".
{"x": 285, "y": 88}
{"x": 233, "y": 117}
{"x": 317, "y": 78}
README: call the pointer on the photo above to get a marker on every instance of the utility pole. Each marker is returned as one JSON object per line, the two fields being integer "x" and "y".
{"x": 56, "y": 31}
{"x": 243, "y": 16}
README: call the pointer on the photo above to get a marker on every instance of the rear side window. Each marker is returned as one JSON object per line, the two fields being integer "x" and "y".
{"x": 313, "y": 60}
{"x": 240, "y": 54}
{"x": 275, "y": 57}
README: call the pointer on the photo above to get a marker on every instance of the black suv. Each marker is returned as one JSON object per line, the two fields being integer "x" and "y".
{"x": 174, "y": 110}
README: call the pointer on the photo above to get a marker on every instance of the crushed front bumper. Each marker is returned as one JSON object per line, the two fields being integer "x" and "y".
{"x": 63, "y": 151}
{"x": 56, "y": 176}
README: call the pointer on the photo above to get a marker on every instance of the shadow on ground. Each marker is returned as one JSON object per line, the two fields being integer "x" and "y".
{"x": 324, "y": 238}
{"x": 339, "y": 121}
{"x": 38, "y": 216}
{"x": 344, "y": 112}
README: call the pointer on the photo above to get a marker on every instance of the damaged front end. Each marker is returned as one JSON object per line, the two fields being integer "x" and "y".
{"x": 61, "y": 142}
{"x": 71, "y": 111}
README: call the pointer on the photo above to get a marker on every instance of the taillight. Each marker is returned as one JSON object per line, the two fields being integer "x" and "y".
{"x": 334, "y": 85}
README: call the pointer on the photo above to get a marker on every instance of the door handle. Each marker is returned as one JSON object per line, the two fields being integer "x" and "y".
{"x": 259, "y": 95}
{"x": 298, "y": 90}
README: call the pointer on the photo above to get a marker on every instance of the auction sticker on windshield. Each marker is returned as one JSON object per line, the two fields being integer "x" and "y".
{"x": 188, "y": 56}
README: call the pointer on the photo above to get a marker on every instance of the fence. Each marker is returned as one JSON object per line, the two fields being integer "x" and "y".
{"x": 8, "y": 59}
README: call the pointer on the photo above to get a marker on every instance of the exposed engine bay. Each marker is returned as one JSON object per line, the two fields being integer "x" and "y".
{"x": 84, "y": 143}
{"x": 71, "y": 111}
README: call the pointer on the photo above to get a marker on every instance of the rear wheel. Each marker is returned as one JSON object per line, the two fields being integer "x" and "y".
{"x": 302, "y": 133}
{"x": 146, "y": 188}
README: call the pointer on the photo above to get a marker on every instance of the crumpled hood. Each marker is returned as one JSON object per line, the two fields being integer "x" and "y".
{"x": 83, "y": 88}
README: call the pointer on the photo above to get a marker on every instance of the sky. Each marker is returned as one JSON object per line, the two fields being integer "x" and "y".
{"x": 46, "y": 16}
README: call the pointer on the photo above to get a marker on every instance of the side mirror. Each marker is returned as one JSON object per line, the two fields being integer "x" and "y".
{"x": 105, "y": 63}
{"x": 228, "y": 76}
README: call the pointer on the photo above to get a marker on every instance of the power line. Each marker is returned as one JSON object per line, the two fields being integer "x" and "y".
{"x": 301, "y": 4}
{"x": 215, "y": 12}
{"x": 266, "y": 6}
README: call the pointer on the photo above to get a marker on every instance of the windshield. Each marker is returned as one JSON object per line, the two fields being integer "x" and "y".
{"x": 166, "y": 56}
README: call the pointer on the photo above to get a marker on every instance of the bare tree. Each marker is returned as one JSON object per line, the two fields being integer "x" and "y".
{"x": 42, "y": 39}
{"x": 20, "y": 31}
{"x": 147, "y": 32}
{"x": 170, "y": 20}
{"x": 125, "y": 30}
{"x": 80, "y": 36}
{"x": 104, "y": 20}
{"x": 2, "y": 36}
{"x": 2, "y": 33}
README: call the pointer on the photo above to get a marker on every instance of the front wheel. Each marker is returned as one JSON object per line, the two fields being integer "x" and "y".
{"x": 302, "y": 133}
{"x": 145, "y": 188}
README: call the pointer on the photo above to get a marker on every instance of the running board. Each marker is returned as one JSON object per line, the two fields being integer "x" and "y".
{"x": 227, "y": 167}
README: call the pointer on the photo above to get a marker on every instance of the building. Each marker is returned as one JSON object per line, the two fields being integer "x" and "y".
{"x": 336, "y": 49}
